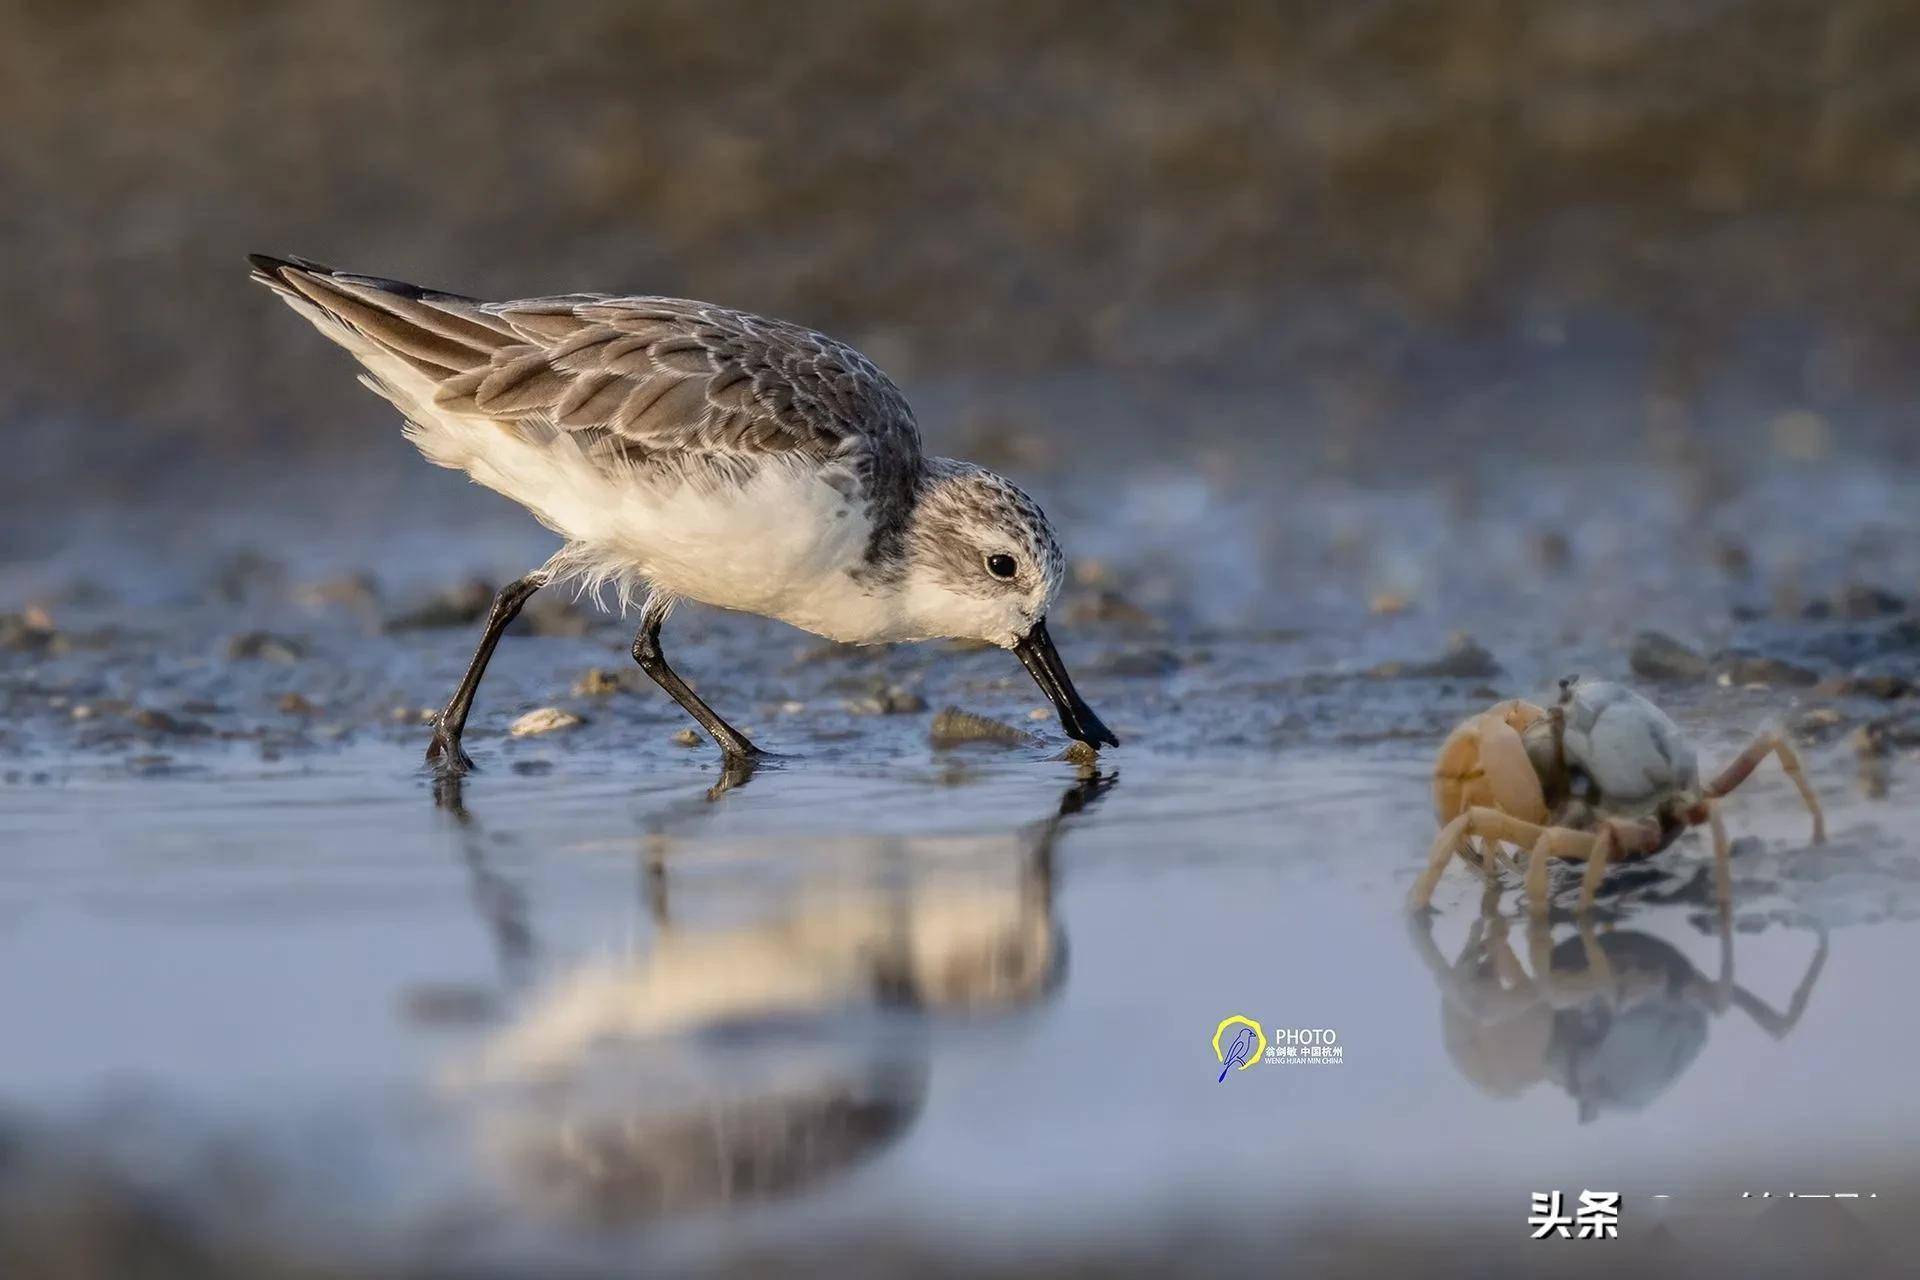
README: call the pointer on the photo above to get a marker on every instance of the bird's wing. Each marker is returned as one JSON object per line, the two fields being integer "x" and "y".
{"x": 631, "y": 377}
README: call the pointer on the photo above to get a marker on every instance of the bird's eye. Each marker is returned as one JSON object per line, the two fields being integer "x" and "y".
{"x": 1002, "y": 566}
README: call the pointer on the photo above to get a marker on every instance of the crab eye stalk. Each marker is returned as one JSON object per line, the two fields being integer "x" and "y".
{"x": 1002, "y": 566}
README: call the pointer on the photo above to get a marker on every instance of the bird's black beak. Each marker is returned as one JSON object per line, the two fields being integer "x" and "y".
{"x": 1043, "y": 664}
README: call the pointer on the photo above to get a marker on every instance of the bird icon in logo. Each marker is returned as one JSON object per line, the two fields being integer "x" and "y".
{"x": 1246, "y": 1047}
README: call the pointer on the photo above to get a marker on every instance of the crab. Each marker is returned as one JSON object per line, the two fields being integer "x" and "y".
{"x": 1602, "y": 776}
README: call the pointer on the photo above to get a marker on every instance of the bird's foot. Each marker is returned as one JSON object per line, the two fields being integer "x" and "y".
{"x": 446, "y": 758}
{"x": 737, "y": 769}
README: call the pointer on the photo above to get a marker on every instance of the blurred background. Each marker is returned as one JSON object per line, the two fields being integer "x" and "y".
{"x": 1325, "y": 332}
{"x": 1412, "y": 223}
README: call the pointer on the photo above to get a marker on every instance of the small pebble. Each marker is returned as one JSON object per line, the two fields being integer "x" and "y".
{"x": 598, "y": 682}
{"x": 295, "y": 704}
{"x": 1883, "y": 686}
{"x": 357, "y": 591}
{"x": 1658, "y": 656}
{"x": 893, "y": 700}
{"x": 545, "y": 720}
{"x": 687, "y": 738}
{"x": 1817, "y": 721}
{"x": 1755, "y": 669}
{"x": 264, "y": 646}
{"x": 1860, "y": 603}
{"x": 30, "y": 632}
{"x": 455, "y": 607}
{"x": 156, "y": 721}
{"x": 1464, "y": 659}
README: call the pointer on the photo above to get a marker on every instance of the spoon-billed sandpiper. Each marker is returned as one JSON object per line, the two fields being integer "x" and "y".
{"x": 703, "y": 454}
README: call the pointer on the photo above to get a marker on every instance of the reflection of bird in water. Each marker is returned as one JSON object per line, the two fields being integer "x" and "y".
{"x": 1613, "y": 1018}
{"x": 748, "y": 1060}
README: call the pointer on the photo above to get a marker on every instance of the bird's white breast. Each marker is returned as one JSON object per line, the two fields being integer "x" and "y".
{"x": 779, "y": 536}
{"x": 783, "y": 544}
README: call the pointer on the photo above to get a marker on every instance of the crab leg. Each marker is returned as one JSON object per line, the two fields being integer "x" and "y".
{"x": 1722, "y": 862}
{"x": 1445, "y": 846}
{"x": 1612, "y": 841}
{"x": 1605, "y": 844}
{"x": 1553, "y": 842}
{"x": 1744, "y": 763}
{"x": 1488, "y": 824}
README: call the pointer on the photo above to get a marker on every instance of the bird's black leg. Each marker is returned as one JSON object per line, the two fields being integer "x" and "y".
{"x": 444, "y": 750}
{"x": 646, "y": 652}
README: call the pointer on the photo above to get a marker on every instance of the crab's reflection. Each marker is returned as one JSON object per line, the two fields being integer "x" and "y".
{"x": 1613, "y": 1018}
{"x": 737, "y": 1060}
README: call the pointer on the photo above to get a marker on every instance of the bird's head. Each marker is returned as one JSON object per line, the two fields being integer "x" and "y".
{"x": 981, "y": 563}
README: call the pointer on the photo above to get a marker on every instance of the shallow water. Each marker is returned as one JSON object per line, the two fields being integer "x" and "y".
{"x": 287, "y": 1005}
{"x": 837, "y": 999}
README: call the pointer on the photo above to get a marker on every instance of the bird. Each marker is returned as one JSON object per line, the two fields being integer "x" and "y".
{"x": 686, "y": 451}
